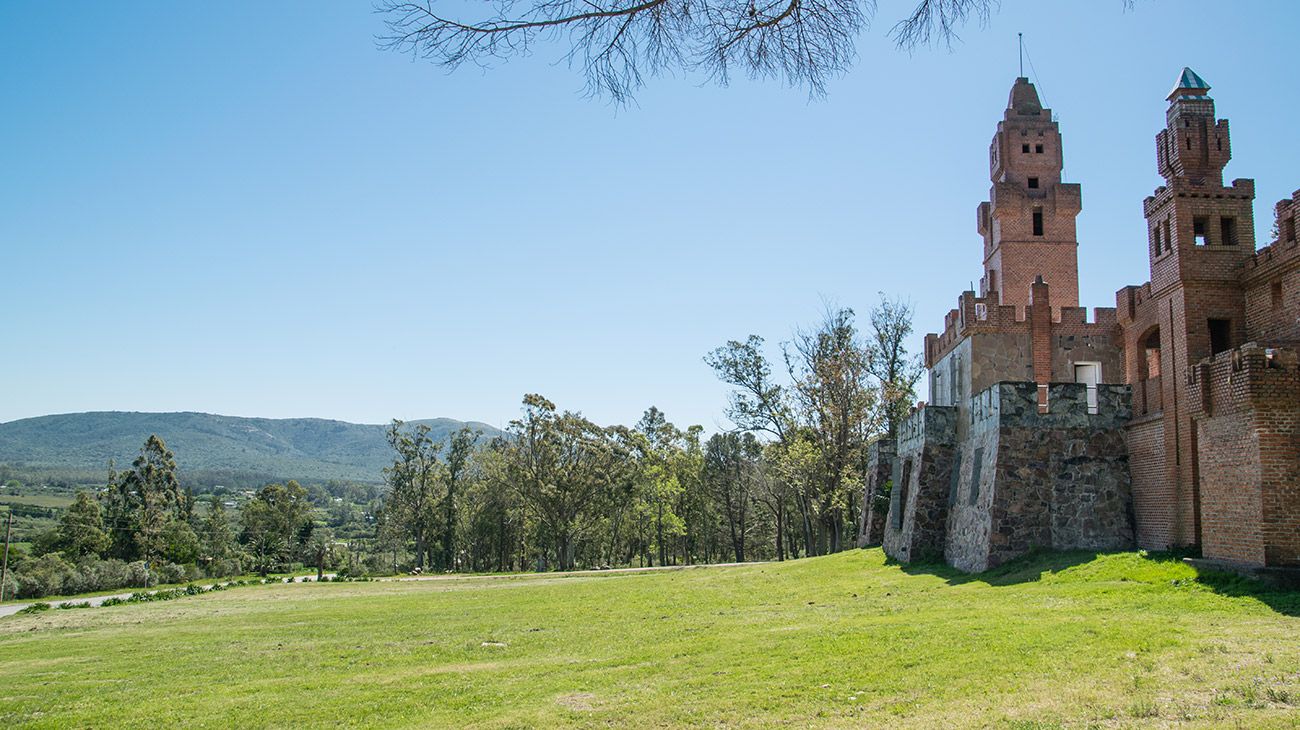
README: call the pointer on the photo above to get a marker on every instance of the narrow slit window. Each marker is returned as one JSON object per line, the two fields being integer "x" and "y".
{"x": 1038, "y": 221}
{"x": 1199, "y": 234}
{"x": 901, "y": 490}
{"x": 1156, "y": 246}
{"x": 954, "y": 482}
{"x": 1189, "y": 143}
{"x": 1288, "y": 227}
{"x": 977, "y": 461}
{"x": 1169, "y": 241}
{"x": 1033, "y": 182}
{"x": 1277, "y": 295}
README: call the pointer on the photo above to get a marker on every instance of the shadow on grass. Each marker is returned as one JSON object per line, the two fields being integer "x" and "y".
{"x": 1156, "y": 568}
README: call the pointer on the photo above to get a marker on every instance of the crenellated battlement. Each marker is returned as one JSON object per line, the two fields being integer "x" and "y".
{"x": 975, "y": 314}
{"x": 1241, "y": 189}
{"x": 1250, "y": 375}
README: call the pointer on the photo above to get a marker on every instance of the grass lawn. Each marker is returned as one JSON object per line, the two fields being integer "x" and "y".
{"x": 847, "y": 640}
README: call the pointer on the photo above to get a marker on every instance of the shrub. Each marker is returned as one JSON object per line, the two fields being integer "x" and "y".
{"x": 139, "y": 576}
{"x": 36, "y": 608}
{"x": 80, "y": 604}
{"x": 171, "y": 573}
{"x": 43, "y": 576}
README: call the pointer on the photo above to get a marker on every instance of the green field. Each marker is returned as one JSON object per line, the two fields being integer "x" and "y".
{"x": 847, "y": 640}
{"x": 57, "y": 501}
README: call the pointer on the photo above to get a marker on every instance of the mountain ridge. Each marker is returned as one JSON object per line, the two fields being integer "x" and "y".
{"x": 213, "y": 445}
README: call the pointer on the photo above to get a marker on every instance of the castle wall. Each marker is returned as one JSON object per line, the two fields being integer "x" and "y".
{"x": 1246, "y": 403}
{"x": 1029, "y": 479}
{"x": 1154, "y": 496}
{"x": 1272, "y": 282}
{"x": 918, "y": 507}
{"x": 880, "y": 469}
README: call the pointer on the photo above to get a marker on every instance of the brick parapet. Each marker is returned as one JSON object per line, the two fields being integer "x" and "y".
{"x": 975, "y": 314}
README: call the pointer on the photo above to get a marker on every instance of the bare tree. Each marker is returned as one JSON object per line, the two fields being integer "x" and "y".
{"x": 617, "y": 43}
{"x": 895, "y": 370}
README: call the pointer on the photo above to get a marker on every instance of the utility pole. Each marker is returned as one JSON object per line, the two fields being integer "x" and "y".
{"x": 4, "y": 566}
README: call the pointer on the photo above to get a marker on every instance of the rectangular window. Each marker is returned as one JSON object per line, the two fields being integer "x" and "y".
{"x": 1024, "y": 148}
{"x": 1038, "y": 221}
{"x": 1169, "y": 241}
{"x": 1220, "y": 336}
{"x": 1156, "y": 246}
{"x": 976, "y": 464}
{"x": 1228, "y": 231}
{"x": 1277, "y": 295}
{"x": 1033, "y": 182}
{"x": 1288, "y": 229}
{"x": 1199, "y": 234}
{"x": 1038, "y": 149}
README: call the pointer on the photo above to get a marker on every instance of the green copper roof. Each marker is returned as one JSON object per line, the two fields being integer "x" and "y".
{"x": 1189, "y": 84}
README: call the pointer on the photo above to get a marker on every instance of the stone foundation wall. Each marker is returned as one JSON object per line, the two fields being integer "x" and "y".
{"x": 918, "y": 505}
{"x": 1031, "y": 480}
{"x": 879, "y": 473}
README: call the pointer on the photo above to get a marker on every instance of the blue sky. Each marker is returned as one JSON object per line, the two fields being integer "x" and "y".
{"x": 250, "y": 210}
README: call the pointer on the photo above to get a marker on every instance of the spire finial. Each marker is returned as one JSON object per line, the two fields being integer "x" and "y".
{"x": 1021, "y": 38}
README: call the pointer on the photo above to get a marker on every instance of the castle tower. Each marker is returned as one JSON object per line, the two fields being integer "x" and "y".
{"x": 1200, "y": 234}
{"x": 1028, "y": 224}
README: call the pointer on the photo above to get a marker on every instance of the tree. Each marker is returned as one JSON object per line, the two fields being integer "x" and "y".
{"x": 216, "y": 539}
{"x": 275, "y": 524}
{"x": 757, "y": 404}
{"x": 896, "y": 371}
{"x": 829, "y": 368}
{"x": 142, "y": 501}
{"x": 459, "y": 451}
{"x": 81, "y": 529}
{"x": 415, "y": 482}
{"x": 729, "y": 463}
{"x": 560, "y": 464}
{"x": 617, "y": 43}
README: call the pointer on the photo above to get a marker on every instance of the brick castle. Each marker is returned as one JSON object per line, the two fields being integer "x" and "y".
{"x": 1171, "y": 420}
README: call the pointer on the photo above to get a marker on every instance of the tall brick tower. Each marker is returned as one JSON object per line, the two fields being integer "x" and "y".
{"x": 1028, "y": 224}
{"x": 1199, "y": 236}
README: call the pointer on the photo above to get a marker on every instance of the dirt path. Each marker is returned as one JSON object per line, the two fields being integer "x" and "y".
{"x": 10, "y": 609}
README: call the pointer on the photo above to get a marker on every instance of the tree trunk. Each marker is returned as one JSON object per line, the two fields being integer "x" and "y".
{"x": 780, "y": 527}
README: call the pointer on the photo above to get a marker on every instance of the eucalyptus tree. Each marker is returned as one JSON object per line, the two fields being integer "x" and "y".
{"x": 276, "y": 524}
{"x": 561, "y": 465}
{"x": 895, "y": 369}
{"x": 416, "y": 488}
{"x": 460, "y": 450}
{"x": 829, "y": 366}
{"x": 141, "y": 501}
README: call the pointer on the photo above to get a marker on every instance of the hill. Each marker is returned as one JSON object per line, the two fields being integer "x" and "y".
{"x": 848, "y": 640}
{"x": 208, "y": 447}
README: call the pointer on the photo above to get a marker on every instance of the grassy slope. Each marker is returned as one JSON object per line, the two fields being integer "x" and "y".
{"x": 843, "y": 640}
